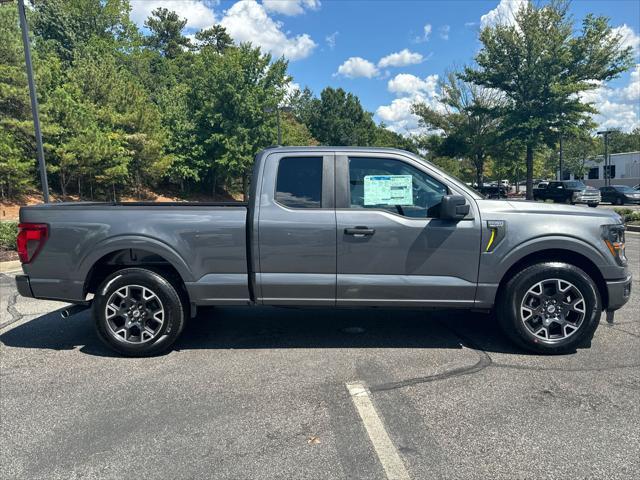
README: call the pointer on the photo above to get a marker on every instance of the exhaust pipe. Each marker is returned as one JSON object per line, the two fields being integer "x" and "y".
{"x": 73, "y": 309}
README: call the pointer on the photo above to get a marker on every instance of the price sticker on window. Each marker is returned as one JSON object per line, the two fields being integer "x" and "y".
{"x": 388, "y": 190}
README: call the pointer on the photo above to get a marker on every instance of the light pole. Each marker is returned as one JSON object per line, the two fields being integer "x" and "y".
{"x": 277, "y": 110}
{"x": 34, "y": 99}
{"x": 607, "y": 166}
{"x": 561, "y": 158}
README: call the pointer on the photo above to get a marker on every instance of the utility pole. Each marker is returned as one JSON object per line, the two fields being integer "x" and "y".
{"x": 607, "y": 164}
{"x": 34, "y": 98}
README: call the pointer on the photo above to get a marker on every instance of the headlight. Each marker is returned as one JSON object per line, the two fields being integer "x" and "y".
{"x": 613, "y": 236}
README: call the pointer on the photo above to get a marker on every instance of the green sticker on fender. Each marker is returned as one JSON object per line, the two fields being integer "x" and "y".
{"x": 388, "y": 190}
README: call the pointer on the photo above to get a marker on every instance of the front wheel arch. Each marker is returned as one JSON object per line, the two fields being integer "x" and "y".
{"x": 564, "y": 256}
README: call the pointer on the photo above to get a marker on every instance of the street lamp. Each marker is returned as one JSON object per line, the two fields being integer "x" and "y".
{"x": 278, "y": 109}
{"x": 607, "y": 165}
{"x": 34, "y": 98}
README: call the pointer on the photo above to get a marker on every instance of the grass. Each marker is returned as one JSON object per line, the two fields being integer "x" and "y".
{"x": 8, "y": 232}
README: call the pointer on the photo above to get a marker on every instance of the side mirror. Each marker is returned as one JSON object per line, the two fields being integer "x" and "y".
{"x": 453, "y": 207}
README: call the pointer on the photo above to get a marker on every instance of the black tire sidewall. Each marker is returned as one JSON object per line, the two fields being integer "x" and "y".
{"x": 174, "y": 311}
{"x": 516, "y": 288}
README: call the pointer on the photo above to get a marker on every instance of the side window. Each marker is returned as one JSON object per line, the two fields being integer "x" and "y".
{"x": 299, "y": 182}
{"x": 394, "y": 186}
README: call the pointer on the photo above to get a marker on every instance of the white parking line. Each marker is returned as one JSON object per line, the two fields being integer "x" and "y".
{"x": 386, "y": 451}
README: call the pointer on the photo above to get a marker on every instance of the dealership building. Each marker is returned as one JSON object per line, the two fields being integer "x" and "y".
{"x": 625, "y": 170}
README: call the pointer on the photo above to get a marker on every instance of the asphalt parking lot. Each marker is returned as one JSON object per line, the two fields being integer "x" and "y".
{"x": 262, "y": 393}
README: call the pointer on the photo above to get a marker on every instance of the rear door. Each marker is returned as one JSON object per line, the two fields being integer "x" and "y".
{"x": 392, "y": 247}
{"x": 297, "y": 230}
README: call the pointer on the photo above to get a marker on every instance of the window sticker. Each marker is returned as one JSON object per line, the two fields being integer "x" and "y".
{"x": 388, "y": 190}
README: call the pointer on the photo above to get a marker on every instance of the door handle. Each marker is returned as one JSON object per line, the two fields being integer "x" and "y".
{"x": 359, "y": 231}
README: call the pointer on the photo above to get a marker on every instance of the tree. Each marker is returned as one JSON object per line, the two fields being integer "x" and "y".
{"x": 541, "y": 67}
{"x": 166, "y": 32}
{"x": 337, "y": 118}
{"x": 577, "y": 151}
{"x": 230, "y": 96}
{"x": 215, "y": 37}
{"x": 465, "y": 114}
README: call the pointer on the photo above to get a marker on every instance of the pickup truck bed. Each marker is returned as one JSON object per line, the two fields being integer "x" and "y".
{"x": 206, "y": 243}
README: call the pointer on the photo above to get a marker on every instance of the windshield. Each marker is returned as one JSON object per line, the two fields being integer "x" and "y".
{"x": 575, "y": 185}
{"x": 625, "y": 189}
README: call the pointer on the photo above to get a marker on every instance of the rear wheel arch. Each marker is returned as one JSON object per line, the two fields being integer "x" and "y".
{"x": 124, "y": 258}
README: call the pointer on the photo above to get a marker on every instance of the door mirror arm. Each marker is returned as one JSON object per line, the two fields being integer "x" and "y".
{"x": 454, "y": 207}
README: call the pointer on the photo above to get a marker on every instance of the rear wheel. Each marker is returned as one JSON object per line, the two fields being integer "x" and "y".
{"x": 619, "y": 201}
{"x": 138, "y": 312}
{"x": 550, "y": 308}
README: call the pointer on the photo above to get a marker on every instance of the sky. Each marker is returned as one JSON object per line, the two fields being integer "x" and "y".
{"x": 392, "y": 53}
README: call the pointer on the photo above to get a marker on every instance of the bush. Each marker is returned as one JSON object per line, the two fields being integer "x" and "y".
{"x": 628, "y": 215}
{"x": 8, "y": 232}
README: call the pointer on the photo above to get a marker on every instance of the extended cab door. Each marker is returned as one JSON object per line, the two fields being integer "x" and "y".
{"x": 296, "y": 234}
{"x": 393, "y": 249}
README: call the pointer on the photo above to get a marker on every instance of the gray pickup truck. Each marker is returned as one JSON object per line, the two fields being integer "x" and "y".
{"x": 330, "y": 226}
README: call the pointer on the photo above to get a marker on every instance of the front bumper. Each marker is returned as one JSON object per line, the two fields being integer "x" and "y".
{"x": 619, "y": 292}
{"x": 586, "y": 200}
{"x": 24, "y": 286}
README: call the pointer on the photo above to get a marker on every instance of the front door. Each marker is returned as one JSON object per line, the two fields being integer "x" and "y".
{"x": 297, "y": 231}
{"x": 392, "y": 247}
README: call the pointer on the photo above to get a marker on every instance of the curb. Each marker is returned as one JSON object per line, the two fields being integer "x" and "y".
{"x": 10, "y": 266}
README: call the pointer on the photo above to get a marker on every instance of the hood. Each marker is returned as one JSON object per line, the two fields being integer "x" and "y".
{"x": 538, "y": 208}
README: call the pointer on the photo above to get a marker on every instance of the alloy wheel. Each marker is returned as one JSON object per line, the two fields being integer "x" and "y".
{"x": 134, "y": 314}
{"x": 553, "y": 309}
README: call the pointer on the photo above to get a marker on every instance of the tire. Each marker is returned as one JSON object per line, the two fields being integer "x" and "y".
{"x": 619, "y": 201}
{"x": 160, "y": 315}
{"x": 593, "y": 205}
{"x": 524, "y": 325}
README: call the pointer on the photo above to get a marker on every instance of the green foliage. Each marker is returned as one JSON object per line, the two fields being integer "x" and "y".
{"x": 466, "y": 117}
{"x": 8, "y": 233}
{"x": 166, "y": 32}
{"x": 628, "y": 215}
{"x": 540, "y": 64}
{"x": 337, "y": 118}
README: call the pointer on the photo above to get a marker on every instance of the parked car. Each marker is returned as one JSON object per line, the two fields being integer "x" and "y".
{"x": 567, "y": 191}
{"x": 493, "y": 191}
{"x": 619, "y": 194}
{"x": 346, "y": 227}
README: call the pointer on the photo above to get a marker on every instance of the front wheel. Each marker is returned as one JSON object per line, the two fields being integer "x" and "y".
{"x": 550, "y": 308}
{"x": 593, "y": 205}
{"x": 138, "y": 312}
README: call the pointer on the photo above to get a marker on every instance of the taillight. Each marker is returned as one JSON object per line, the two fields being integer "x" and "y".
{"x": 30, "y": 240}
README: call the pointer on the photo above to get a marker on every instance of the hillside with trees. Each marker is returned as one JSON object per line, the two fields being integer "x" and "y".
{"x": 126, "y": 113}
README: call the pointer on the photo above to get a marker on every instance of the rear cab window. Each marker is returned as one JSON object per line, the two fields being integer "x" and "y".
{"x": 299, "y": 182}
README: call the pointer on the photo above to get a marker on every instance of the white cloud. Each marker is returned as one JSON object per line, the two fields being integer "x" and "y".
{"x": 617, "y": 107}
{"x": 357, "y": 67}
{"x": 197, "y": 12}
{"x": 247, "y": 21}
{"x": 444, "y": 32}
{"x": 398, "y": 114}
{"x": 425, "y": 35}
{"x": 331, "y": 39}
{"x": 400, "y": 59}
{"x": 504, "y": 13}
{"x": 290, "y": 7}
{"x": 407, "y": 84}
{"x": 629, "y": 38}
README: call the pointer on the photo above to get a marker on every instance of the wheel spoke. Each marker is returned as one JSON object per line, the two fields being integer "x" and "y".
{"x": 128, "y": 312}
{"x": 553, "y": 309}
